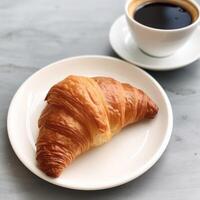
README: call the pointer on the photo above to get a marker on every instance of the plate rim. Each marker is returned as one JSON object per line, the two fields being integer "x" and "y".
{"x": 145, "y": 66}
{"x": 120, "y": 181}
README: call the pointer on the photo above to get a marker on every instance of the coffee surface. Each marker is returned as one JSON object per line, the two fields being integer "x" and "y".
{"x": 163, "y": 16}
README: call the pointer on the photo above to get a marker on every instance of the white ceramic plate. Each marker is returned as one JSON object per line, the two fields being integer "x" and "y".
{"x": 124, "y": 45}
{"x": 125, "y": 157}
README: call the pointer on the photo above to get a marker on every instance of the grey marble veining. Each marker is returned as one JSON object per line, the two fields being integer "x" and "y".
{"x": 36, "y": 33}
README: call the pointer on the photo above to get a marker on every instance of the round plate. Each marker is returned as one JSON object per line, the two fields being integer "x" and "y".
{"x": 124, "y": 45}
{"x": 128, "y": 155}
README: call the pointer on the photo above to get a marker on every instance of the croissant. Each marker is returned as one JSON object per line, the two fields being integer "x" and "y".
{"x": 83, "y": 113}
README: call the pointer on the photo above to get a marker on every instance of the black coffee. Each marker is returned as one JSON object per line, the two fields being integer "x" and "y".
{"x": 163, "y": 16}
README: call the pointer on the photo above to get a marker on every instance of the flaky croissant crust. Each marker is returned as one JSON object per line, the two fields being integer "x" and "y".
{"x": 82, "y": 113}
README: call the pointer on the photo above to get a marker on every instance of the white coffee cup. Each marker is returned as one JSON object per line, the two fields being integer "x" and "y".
{"x": 161, "y": 42}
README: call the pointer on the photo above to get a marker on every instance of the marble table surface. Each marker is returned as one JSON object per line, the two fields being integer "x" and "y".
{"x": 36, "y": 33}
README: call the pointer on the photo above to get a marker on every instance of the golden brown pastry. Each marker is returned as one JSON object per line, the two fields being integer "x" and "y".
{"x": 82, "y": 113}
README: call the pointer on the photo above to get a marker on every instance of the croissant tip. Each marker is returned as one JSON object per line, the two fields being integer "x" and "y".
{"x": 52, "y": 174}
{"x": 51, "y": 171}
{"x": 50, "y": 166}
{"x": 152, "y": 110}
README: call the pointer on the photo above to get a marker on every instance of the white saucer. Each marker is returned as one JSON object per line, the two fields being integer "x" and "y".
{"x": 128, "y": 155}
{"x": 125, "y": 46}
